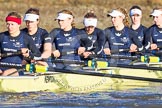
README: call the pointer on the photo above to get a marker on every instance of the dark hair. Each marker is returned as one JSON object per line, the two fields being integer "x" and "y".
{"x": 90, "y": 14}
{"x": 33, "y": 11}
{"x": 14, "y": 14}
{"x": 135, "y": 7}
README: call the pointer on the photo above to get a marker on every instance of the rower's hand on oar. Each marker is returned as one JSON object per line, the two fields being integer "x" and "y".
{"x": 86, "y": 54}
{"x": 42, "y": 63}
{"x": 107, "y": 51}
{"x": 81, "y": 50}
{"x": 133, "y": 48}
{"x": 154, "y": 47}
{"x": 25, "y": 52}
{"x": 56, "y": 53}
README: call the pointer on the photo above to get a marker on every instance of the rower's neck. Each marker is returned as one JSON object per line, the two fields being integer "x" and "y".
{"x": 33, "y": 31}
{"x": 15, "y": 34}
{"x": 119, "y": 27}
{"x": 68, "y": 28}
{"x": 135, "y": 26}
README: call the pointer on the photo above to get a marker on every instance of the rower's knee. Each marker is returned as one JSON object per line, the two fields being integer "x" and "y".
{"x": 10, "y": 72}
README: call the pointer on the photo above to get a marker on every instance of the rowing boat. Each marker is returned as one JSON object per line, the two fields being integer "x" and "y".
{"x": 78, "y": 83}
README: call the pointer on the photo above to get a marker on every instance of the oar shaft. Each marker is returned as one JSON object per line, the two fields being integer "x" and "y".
{"x": 115, "y": 57}
{"x": 91, "y": 73}
{"x": 119, "y": 50}
{"x": 137, "y": 67}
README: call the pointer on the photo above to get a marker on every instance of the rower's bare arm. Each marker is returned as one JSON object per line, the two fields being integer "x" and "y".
{"x": 47, "y": 50}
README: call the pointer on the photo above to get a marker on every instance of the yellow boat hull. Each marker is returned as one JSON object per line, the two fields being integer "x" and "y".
{"x": 65, "y": 82}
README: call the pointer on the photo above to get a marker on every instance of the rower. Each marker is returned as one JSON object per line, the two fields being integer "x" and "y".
{"x": 67, "y": 40}
{"x": 14, "y": 40}
{"x": 136, "y": 26}
{"x": 120, "y": 36}
{"x": 154, "y": 32}
{"x": 95, "y": 34}
{"x": 39, "y": 35}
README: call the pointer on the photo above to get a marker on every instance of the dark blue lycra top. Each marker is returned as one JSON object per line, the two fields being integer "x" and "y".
{"x": 98, "y": 39}
{"x": 40, "y": 38}
{"x": 141, "y": 31}
{"x": 121, "y": 39}
{"x": 10, "y": 44}
{"x": 68, "y": 42}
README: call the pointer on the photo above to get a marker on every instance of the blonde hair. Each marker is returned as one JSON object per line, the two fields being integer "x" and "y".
{"x": 70, "y": 13}
{"x": 126, "y": 19}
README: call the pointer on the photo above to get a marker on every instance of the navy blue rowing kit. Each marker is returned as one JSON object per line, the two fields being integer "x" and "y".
{"x": 40, "y": 38}
{"x": 10, "y": 44}
{"x": 98, "y": 40}
{"x": 141, "y": 31}
{"x": 68, "y": 42}
{"x": 121, "y": 40}
{"x": 154, "y": 36}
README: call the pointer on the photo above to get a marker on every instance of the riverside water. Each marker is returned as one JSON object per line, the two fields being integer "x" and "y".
{"x": 144, "y": 97}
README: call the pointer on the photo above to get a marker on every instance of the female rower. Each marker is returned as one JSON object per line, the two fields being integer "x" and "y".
{"x": 95, "y": 34}
{"x": 39, "y": 35}
{"x": 136, "y": 17}
{"x": 120, "y": 36}
{"x": 14, "y": 40}
{"x": 68, "y": 39}
{"x": 154, "y": 32}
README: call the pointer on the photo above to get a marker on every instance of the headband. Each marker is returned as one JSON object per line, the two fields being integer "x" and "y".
{"x": 63, "y": 16}
{"x": 156, "y": 13}
{"x": 13, "y": 19}
{"x": 31, "y": 17}
{"x": 116, "y": 13}
{"x": 90, "y": 22}
{"x": 135, "y": 11}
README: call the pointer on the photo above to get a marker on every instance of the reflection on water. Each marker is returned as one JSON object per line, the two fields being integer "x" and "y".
{"x": 141, "y": 97}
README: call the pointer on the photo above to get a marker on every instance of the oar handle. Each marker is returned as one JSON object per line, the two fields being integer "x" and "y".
{"x": 119, "y": 50}
{"x": 63, "y": 53}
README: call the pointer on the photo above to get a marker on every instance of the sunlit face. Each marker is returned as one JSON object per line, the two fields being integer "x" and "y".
{"x": 158, "y": 20}
{"x": 32, "y": 25}
{"x": 136, "y": 19}
{"x": 118, "y": 20}
{"x": 90, "y": 29}
{"x": 64, "y": 24}
{"x": 12, "y": 27}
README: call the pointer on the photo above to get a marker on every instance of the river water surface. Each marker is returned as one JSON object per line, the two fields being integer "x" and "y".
{"x": 148, "y": 97}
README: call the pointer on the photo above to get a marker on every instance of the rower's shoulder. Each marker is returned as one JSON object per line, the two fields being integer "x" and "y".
{"x": 152, "y": 26}
{"x": 55, "y": 31}
{"x": 108, "y": 28}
